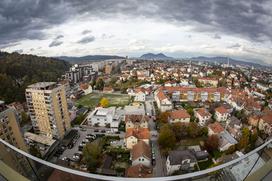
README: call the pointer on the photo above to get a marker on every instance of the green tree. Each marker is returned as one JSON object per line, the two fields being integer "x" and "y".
{"x": 25, "y": 118}
{"x": 92, "y": 155}
{"x": 193, "y": 130}
{"x": 163, "y": 117}
{"x": 167, "y": 139}
{"x": 99, "y": 85}
{"x": 104, "y": 102}
{"x": 244, "y": 141}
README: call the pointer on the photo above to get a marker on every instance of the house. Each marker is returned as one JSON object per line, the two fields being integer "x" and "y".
{"x": 139, "y": 96}
{"x": 221, "y": 114}
{"x": 108, "y": 90}
{"x": 86, "y": 88}
{"x": 141, "y": 154}
{"x": 202, "y": 115}
{"x": 265, "y": 123}
{"x": 234, "y": 126}
{"x": 226, "y": 140}
{"x": 104, "y": 117}
{"x": 134, "y": 135}
{"x": 215, "y": 128}
{"x": 136, "y": 121}
{"x": 253, "y": 120}
{"x": 208, "y": 81}
{"x": 163, "y": 102}
{"x": 184, "y": 160}
{"x": 179, "y": 116}
{"x": 139, "y": 171}
{"x": 134, "y": 109}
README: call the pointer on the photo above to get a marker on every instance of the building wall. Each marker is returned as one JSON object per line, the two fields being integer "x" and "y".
{"x": 142, "y": 160}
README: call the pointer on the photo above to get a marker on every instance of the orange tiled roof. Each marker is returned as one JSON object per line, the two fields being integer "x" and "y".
{"x": 139, "y": 171}
{"x": 141, "y": 149}
{"x": 161, "y": 96}
{"x": 216, "y": 127}
{"x": 203, "y": 112}
{"x": 179, "y": 114}
{"x": 221, "y": 110}
{"x": 140, "y": 133}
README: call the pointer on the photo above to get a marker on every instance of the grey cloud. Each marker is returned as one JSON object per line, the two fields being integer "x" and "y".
{"x": 236, "y": 45}
{"x": 55, "y": 43}
{"x": 216, "y": 36}
{"x": 85, "y": 32}
{"x": 86, "y": 39}
{"x": 251, "y": 19}
{"x": 19, "y": 51}
{"x": 59, "y": 37}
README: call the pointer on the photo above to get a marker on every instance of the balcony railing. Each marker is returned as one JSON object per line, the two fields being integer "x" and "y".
{"x": 44, "y": 170}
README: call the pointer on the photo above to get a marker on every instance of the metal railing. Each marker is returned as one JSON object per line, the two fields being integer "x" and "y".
{"x": 114, "y": 178}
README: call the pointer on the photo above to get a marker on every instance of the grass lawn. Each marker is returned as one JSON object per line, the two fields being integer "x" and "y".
{"x": 92, "y": 100}
{"x": 191, "y": 141}
{"x": 205, "y": 164}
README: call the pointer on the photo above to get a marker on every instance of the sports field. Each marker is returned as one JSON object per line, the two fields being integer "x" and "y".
{"x": 92, "y": 100}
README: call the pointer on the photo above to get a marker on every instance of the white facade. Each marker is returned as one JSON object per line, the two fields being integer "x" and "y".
{"x": 142, "y": 160}
{"x": 139, "y": 97}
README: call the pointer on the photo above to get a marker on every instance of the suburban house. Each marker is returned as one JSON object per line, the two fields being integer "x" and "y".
{"x": 136, "y": 121}
{"x": 202, "y": 115}
{"x": 234, "y": 126}
{"x": 139, "y": 96}
{"x": 139, "y": 171}
{"x": 86, "y": 88}
{"x": 226, "y": 140}
{"x": 133, "y": 136}
{"x": 179, "y": 116}
{"x": 141, "y": 154}
{"x": 104, "y": 117}
{"x": 208, "y": 81}
{"x": 215, "y": 128}
{"x": 184, "y": 160}
{"x": 108, "y": 90}
{"x": 163, "y": 102}
{"x": 134, "y": 109}
{"x": 265, "y": 122}
{"x": 221, "y": 114}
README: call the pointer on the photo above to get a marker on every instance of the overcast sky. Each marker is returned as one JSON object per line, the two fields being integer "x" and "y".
{"x": 179, "y": 28}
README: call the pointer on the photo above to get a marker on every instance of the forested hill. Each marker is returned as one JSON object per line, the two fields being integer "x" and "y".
{"x": 17, "y": 71}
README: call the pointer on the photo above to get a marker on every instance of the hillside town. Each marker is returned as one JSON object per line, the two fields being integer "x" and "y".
{"x": 141, "y": 118}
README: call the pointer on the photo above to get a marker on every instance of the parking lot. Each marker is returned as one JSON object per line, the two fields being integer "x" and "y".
{"x": 82, "y": 134}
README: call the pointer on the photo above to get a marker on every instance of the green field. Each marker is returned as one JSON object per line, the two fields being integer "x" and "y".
{"x": 92, "y": 100}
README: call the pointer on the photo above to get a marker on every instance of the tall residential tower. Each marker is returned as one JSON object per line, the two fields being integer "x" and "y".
{"x": 48, "y": 109}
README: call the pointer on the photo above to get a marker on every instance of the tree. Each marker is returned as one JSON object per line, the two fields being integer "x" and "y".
{"x": 99, "y": 85}
{"x": 25, "y": 118}
{"x": 167, "y": 139}
{"x": 180, "y": 130}
{"x": 193, "y": 130}
{"x": 92, "y": 154}
{"x": 163, "y": 117}
{"x": 104, "y": 102}
{"x": 244, "y": 141}
{"x": 212, "y": 143}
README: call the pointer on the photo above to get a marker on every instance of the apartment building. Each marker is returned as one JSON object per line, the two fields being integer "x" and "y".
{"x": 48, "y": 109}
{"x": 10, "y": 132}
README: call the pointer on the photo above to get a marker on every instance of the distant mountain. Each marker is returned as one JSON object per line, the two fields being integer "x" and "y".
{"x": 225, "y": 60}
{"x": 88, "y": 58}
{"x": 152, "y": 56}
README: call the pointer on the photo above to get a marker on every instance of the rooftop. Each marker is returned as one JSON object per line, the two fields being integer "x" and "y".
{"x": 42, "y": 85}
{"x": 39, "y": 138}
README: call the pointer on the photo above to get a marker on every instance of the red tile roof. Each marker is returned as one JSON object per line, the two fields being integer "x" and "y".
{"x": 140, "y": 149}
{"x": 136, "y": 118}
{"x": 203, "y": 112}
{"x": 140, "y": 133}
{"x": 216, "y": 127}
{"x": 139, "y": 171}
{"x": 221, "y": 110}
{"x": 179, "y": 114}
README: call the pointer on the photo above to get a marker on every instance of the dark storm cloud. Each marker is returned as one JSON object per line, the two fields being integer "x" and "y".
{"x": 86, "y": 39}
{"x": 236, "y": 45}
{"x": 250, "y": 19}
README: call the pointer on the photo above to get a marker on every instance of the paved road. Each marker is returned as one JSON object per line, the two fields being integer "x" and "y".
{"x": 159, "y": 169}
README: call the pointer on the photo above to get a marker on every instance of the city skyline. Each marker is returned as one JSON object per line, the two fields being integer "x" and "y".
{"x": 176, "y": 28}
